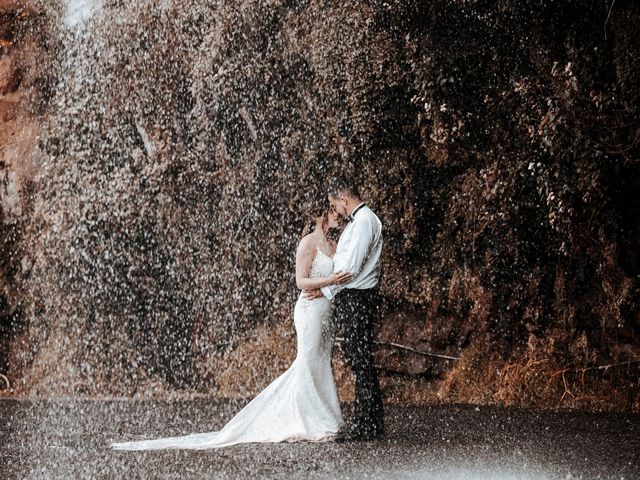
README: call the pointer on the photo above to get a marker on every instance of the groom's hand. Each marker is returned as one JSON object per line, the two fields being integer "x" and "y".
{"x": 311, "y": 294}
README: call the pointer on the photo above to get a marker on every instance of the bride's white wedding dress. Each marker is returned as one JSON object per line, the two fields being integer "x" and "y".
{"x": 301, "y": 404}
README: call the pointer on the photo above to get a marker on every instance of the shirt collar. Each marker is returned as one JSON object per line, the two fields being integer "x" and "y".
{"x": 355, "y": 210}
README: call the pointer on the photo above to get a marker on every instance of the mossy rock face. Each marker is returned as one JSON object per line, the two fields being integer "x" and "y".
{"x": 172, "y": 148}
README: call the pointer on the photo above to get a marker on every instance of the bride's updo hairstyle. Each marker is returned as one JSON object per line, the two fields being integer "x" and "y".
{"x": 313, "y": 209}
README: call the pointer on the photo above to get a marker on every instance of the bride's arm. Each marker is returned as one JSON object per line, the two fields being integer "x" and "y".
{"x": 304, "y": 257}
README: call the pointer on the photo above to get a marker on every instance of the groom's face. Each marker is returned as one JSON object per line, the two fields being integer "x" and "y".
{"x": 338, "y": 205}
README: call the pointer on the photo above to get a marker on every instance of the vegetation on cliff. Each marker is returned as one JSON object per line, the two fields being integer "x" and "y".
{"x": 177, "y": 145}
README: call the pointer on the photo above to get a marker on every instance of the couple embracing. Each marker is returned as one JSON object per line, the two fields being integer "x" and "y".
{"x": 339, "y": 288}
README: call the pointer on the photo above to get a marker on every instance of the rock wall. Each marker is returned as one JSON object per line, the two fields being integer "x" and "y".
{"x": 173, "y": 148}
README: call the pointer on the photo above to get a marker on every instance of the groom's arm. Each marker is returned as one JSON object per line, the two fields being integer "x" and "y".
{"x": 353, "y": 259}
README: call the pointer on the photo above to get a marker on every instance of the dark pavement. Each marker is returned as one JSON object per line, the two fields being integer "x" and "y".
{"x": 69, "y": 438}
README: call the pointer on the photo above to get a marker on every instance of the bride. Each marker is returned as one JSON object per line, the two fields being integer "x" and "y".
{"x": 302, "y": 403}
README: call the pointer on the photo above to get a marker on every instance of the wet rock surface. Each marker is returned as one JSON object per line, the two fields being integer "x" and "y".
{"x": 69, "y": 438}
{"x": 156, "y": 159}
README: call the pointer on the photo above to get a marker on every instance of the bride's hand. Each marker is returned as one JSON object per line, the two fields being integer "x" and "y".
{"x": 340, "y": 278}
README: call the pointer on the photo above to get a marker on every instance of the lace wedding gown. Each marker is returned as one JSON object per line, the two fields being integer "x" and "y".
{"x": 301, "y": 404}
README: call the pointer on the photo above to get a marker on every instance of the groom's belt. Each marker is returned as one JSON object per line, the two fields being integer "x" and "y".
{"x": 362, "y": 290}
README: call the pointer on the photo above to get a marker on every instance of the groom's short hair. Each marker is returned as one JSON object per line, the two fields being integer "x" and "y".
{"x": 344, "y": 186}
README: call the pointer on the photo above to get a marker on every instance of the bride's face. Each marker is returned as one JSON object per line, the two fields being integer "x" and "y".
{"x": 333, "y": 220}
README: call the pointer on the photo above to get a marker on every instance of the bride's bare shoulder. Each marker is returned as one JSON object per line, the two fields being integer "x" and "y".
{"x": 307, "y": 244}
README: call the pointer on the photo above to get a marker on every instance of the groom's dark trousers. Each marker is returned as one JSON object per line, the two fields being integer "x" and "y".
{"x": 356, "y": 312}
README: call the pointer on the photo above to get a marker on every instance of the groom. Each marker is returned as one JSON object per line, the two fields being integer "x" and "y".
{"x": 356, "y": 304}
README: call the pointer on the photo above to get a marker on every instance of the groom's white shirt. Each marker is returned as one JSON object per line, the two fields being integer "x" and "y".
{"x": 358, "y": 251}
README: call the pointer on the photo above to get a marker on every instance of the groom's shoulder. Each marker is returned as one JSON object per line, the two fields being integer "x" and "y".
{"x": 373, "y": 217}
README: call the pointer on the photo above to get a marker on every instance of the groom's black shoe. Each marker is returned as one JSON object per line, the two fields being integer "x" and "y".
{"x": 348, "y": 435}
{"x": 358, "y": 434}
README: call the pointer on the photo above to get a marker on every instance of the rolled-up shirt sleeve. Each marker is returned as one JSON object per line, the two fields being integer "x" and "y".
{"x": 353, "y": 257}
{"x": 326, "y": 291}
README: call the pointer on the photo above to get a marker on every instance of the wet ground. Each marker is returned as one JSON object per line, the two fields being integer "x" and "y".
{"x": 69, "y": 438}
